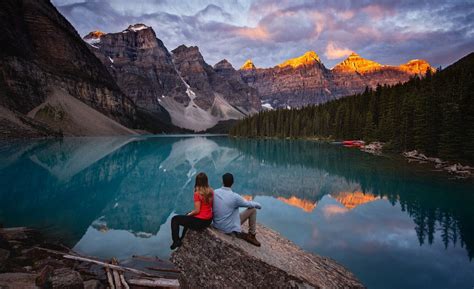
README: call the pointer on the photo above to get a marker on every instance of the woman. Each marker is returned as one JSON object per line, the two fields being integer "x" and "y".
{"x": 200, "y": 217}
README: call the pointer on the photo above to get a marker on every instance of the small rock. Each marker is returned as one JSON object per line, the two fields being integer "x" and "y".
{"x": 93, "y": 284}
{"x": 4, "y": 244}
{"x": 43, "y": 280}
{"x": 66, "y": 278}
{"x": 4, "y": 255}
{"x": 18, "y": 280}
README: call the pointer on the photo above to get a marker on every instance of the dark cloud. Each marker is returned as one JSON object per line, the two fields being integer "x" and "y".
{"x": 390, "y": 32}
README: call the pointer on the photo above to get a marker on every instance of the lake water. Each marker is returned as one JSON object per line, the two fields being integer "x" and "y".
{"x": 394, "y": 225}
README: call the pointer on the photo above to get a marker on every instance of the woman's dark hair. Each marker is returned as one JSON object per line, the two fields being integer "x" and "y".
{"x": 201, "y": 186}
{"x": 228, "y": 180}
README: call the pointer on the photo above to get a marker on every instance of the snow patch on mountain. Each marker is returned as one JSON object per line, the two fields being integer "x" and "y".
{"x": 137, "y": 27}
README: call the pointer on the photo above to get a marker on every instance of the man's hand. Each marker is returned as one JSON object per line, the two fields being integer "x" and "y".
{"x": 257, "y": 206}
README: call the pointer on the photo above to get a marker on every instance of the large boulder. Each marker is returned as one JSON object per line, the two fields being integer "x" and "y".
{"x": 66, "y": 278}
{"x": 212, "y": 259}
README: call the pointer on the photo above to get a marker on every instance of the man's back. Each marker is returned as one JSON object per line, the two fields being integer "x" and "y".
{"x": 226, "y": 213}
{"x": 226, "y": 209}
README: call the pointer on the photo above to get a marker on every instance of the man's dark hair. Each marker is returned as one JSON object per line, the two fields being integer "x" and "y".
{"x": 228, "y": 180}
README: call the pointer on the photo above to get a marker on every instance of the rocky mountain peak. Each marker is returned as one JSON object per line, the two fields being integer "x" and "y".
{"x": 223, "y": 65}
{"x": 248, "y": 65}
{"x": 416, "y": 66}
{"x": 137, "y": 27}
{"x": 309, "y": 58}
{"x": 356, "y": 63}
{"x": 93, "y": 37}
{"x": 190, "y": 53}
{"x": 94, "y": 34}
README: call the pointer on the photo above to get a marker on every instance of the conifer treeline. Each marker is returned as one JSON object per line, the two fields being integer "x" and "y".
{"x": 434, "y": 114}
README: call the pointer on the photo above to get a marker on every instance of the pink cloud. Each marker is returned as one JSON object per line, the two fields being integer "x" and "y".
{"x": 377, "y": 11}
{"x": 332, "y": 210}
{"x": 335, "y": 52}
{"x": 254, "y": 33}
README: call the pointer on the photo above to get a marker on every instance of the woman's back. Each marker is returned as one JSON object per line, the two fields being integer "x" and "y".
{"x": 205, "y": 211}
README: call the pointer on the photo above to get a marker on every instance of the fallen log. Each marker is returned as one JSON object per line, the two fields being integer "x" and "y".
{"x": 164, "y": 269}
{"x": 161, "y": 282}
{"x": 110, "y": 279}
{"x": 113, "y": 267}
{"x": 124, "y": 283}
{"x": 148, "y": 259}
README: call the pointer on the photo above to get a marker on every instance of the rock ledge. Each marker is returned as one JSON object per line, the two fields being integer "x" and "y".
{"x": 211, "y": 259}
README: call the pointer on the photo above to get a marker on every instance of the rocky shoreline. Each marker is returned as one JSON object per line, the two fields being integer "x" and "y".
{"x": 456, "y": 169}
{"x": 28, "y": 260}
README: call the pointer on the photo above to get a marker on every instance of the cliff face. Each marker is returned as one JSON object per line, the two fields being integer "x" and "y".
{"x": 180, "y": 88}
{"x": 295, "y": 82}
{"x": 141, "y": 65}
{"x": 207, "y": 82}
{"x": 305, "y": 80}
{"x": 211, "y": 259}
{"x": 244, "y": 97}
{"x": 42, "y": 52}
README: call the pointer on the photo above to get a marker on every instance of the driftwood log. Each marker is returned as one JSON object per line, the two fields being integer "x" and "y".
{"x": 211, "y": 259}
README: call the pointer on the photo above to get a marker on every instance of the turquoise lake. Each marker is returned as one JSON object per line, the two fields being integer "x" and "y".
{"x": 394, "y": 225}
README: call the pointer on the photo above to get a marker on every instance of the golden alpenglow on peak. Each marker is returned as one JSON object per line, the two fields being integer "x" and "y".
{"x": 355, "y": 63}
{"x": 94, "y": 34}
{"x": 309, "y": 58}
{"x": 416, "y": 66}
{"x": 248, "y": 65}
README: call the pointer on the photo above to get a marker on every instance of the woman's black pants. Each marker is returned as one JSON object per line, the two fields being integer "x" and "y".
{"x": 187, "y": 222}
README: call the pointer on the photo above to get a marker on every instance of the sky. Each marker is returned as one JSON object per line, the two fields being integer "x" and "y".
{"x": 269, "y": 32}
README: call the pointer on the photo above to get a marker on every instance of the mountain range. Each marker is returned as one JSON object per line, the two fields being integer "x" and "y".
{"x": 127, "y": 82}
{"x": 305, "y": 80}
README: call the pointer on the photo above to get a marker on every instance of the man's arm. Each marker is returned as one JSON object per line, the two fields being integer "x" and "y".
{"x": 241, "y": 202}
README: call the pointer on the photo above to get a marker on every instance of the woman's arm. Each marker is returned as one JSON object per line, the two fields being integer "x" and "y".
{"x": 197, "y": 208}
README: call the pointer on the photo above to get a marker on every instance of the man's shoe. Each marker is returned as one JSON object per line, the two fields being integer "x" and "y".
{"x": 251, "y": 239}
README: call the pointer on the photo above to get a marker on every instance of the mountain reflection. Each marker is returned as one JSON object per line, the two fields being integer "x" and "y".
{"x": 435, "y": 203}
{"x": 90, "y": 187}
{"x": 350, "y": 200}
{"x": 305, "y": 205}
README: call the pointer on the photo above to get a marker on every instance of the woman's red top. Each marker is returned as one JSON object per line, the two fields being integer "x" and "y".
{"x": 206, "y": 208}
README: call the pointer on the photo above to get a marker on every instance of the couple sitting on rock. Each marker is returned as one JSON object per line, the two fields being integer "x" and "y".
{"x": 221, "y": 208}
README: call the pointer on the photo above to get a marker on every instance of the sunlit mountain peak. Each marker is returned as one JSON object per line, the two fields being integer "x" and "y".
{"x": 416, "y": 66}
{"x": 356, "y": 63}
{"x": 309, "y": 58}
{"x": 248, "y": 65}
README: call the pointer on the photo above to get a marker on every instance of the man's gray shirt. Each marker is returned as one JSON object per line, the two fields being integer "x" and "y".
{"x": 225, "y": 209}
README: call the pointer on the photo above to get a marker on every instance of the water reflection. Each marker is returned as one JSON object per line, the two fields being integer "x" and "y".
{"x": 116, "y": 196}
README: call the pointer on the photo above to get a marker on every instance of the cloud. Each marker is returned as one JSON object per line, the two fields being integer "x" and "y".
{"x": 335, "y": 52}
{"x": 256, "y": 33}
{"x": 269, "y": 32}
{"x": 333, "y": 210}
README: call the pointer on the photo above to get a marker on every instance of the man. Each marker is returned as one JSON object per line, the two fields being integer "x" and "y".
{"x": 226, "y": 211}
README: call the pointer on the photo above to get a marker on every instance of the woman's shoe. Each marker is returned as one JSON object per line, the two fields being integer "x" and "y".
{"x": 176, "y": 245}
